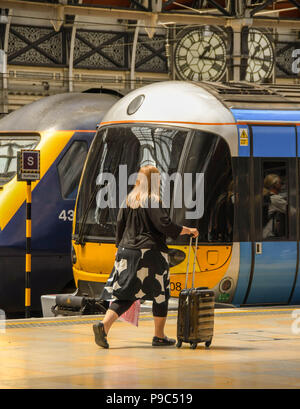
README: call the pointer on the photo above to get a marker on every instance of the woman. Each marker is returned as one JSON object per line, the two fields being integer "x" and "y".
{"x": 141, "y": 269}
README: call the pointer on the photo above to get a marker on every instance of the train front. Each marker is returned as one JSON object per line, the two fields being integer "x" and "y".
{"x": 61, "y": 127}
{"x": 190, "y": 137}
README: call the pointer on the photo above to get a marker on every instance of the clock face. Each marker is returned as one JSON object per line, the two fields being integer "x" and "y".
{"x": 200, "y": 55}
{"x": 260, "y": 56}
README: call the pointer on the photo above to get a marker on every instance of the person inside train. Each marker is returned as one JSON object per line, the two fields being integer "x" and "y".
{"x": 141, "y": 269}
{"x": 221, "y": 219}
{"x": 274, "y": 207}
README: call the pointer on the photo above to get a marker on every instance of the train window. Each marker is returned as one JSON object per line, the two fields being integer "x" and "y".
{"x": 9, "y": 146}
{"x": 275, "y": 200}
{"x": 209, "y": 154}
{"x": 130, "y": 147}
{"x": 70, "y": 168}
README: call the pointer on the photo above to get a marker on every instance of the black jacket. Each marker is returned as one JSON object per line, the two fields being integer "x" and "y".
{"x": 145, "y": 228}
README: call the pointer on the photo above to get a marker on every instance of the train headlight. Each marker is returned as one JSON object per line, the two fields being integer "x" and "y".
{"x": 135, "y": 104}
{"x": 176, "y": 257}
{"x": 73, "y": 256}
{"x": 226, "y": 284}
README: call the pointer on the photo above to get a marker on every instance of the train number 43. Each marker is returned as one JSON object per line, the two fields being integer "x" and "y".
{"x": 66, "y": 215}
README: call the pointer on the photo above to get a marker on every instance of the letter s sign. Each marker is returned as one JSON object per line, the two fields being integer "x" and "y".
{"x": 296, "y": 63}
{"x": 30, "y": 160}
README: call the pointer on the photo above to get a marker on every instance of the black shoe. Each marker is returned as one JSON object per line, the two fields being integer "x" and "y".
{"x": 100, "y": 336}
{"x": 163, "y": 342}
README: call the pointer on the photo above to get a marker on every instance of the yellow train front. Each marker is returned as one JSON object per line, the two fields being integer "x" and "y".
{"x": 220, "y": 136}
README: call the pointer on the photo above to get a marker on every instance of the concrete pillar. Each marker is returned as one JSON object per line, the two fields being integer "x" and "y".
{"x": 3, "y": 84}
{"x": 237, "y": 50}
{"x": 237, "y": 26}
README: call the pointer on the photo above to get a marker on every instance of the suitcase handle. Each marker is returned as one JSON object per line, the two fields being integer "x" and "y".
{"x": 188, "y": 262}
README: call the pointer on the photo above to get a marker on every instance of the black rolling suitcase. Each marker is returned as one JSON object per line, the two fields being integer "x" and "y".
{"x": 195, "y": 320}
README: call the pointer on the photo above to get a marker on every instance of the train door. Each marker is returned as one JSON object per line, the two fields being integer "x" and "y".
{"x": 274, "y": 217}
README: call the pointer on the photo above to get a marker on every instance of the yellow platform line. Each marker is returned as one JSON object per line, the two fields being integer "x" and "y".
{"x": 84, "y": 320}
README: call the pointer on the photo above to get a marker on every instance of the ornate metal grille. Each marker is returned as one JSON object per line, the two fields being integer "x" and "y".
{"x": 101, "y": 50}
{"x": 36, "y": 46}
{"x": 151, "y": 54}
{"x": 40, "y": 46}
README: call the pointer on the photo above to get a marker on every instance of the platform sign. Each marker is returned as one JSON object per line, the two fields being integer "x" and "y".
{"x": 28, "y": 165}
{"x": 28, "y": 170}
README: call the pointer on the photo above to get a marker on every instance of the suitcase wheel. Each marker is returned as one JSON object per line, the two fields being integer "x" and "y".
{"x": 179, "y": 343}
{"x": 194, "y": 345}
{"x": 207, "y": 344}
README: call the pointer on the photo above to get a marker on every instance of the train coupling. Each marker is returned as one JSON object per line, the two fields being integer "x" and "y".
{"x": 68, "y": 304}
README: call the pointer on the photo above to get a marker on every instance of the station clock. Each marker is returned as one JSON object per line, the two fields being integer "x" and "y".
{"x": 260, "y": 61}
{"x": 200, "y": 55}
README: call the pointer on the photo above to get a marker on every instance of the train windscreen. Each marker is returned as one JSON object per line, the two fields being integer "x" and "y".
{"x": 117, "y": 153}
{"x": 9, "y": 146}
{"x": 196, "y": 164}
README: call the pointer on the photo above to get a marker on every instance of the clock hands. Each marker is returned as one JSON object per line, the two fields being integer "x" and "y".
{"x": 253, "y": 56}
{"x": 206, "y": 49}
{"x": 257, "y": 48}
{"x": 267, "y": 59}
{"x": 260, "y": 56}
{"x": 198, "y": 58}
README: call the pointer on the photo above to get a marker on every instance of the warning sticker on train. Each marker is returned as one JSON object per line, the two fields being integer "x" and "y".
{"x": 28, "y": 165}
{"x": 243, "y": 136}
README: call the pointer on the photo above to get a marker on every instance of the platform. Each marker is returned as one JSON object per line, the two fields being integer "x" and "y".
{"x": 251, "y": 348}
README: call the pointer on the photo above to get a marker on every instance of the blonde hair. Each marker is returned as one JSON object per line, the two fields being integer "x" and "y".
{"x": 269, "y": 181}
{"x": 147, "y": 186}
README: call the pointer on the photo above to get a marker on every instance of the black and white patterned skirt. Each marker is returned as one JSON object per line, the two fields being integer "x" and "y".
{"x": 139, "y": 274}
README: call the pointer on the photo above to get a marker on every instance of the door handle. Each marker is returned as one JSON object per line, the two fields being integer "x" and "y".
{"x": 258, "y": 248}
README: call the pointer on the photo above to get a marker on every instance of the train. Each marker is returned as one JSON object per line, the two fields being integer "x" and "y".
{"x": 243, "y": 139}
{"x": 62, "y": 128}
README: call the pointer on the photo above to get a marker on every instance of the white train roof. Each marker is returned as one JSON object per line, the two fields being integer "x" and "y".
{"x": 172, "y": 102}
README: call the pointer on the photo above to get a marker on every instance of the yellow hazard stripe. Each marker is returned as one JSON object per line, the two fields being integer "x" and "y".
{"x": 28, "y": 193}
{"x": 28, "y": 228}
{"x": 28, "y": 262}
{"x": 27, "y": 297}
